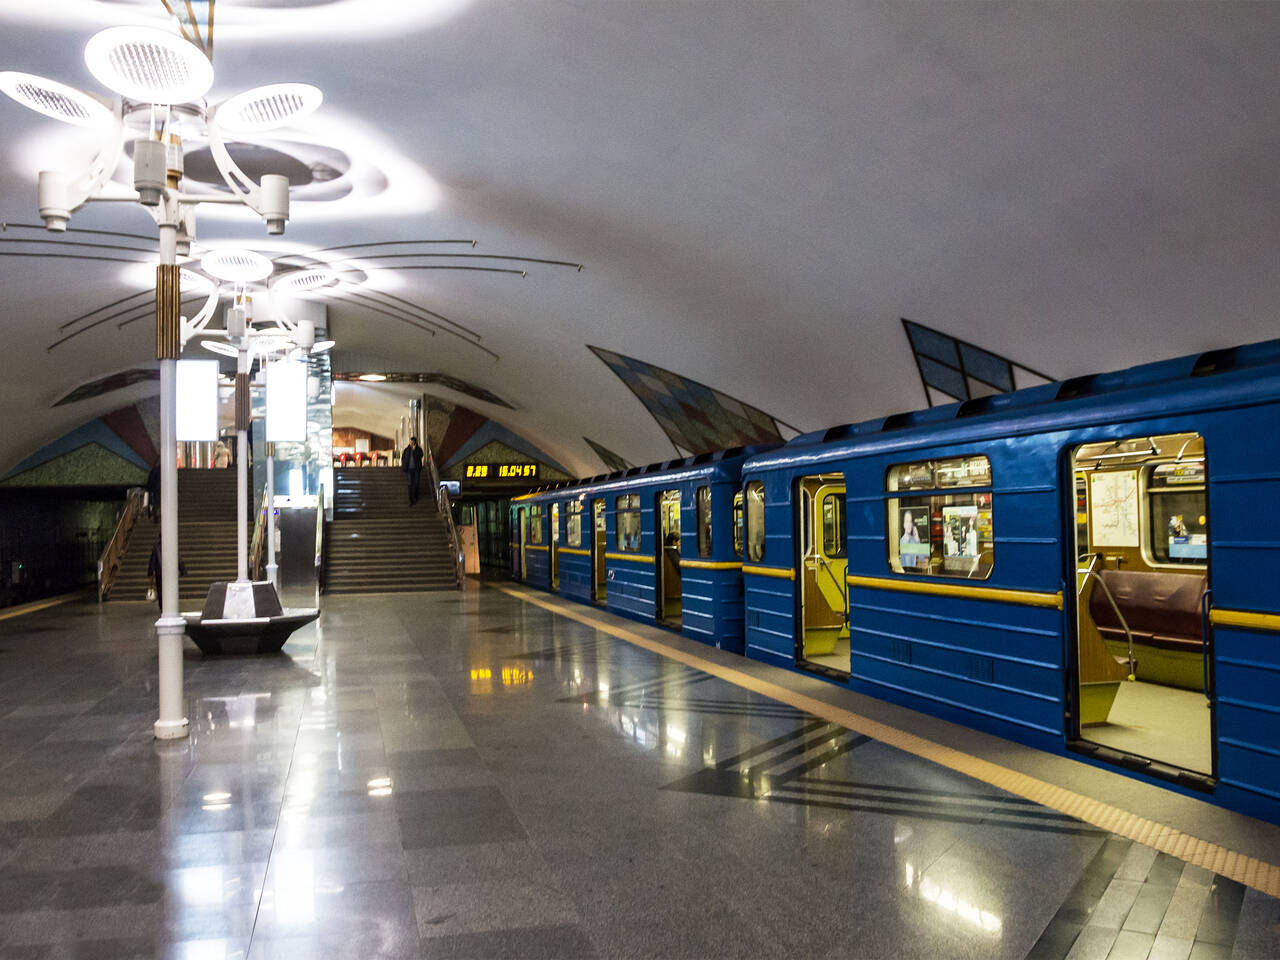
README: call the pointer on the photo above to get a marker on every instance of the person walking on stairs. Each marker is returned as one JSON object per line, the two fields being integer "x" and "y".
{"x": 411, "y": 463}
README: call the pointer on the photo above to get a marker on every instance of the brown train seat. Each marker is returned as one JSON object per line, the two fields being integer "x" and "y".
{"x": 1162, "y": 609}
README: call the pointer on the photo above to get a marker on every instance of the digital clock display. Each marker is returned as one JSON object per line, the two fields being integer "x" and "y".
{"x": 501, "y": 471}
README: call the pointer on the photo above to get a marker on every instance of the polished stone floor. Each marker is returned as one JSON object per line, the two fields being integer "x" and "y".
{"x": 470, "y": 775}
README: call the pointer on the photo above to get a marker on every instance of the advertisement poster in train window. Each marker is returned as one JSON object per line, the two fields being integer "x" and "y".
{"x": 913, "y": 544}
{"x": 1113, "y": 508}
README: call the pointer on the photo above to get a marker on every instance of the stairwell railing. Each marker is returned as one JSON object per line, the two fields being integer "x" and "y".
{"x": 109, "y": 562}
{"x": 446, "y": 508}
{"x": 319, "y": 561}
{"x": 259, "y": 541}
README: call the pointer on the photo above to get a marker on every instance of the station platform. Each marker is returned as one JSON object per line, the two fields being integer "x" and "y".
{"x": 495, "y": 773}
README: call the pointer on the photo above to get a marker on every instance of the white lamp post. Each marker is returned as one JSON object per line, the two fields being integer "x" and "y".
{"x": 156, "y": 69}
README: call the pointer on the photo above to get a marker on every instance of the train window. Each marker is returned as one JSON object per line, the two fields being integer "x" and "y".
{"x": 834, "y": 543}
{"x": 1178, "y": 511}
{"x": 704, "y": 521}
{"x": 737, "y": 523}
{"x": 940, "y": 474}
{"x": 755, "y": 520}
{"x": 628, "y": 509}
{"x": 535, "y": 525}
{"x": 935, "y": 533}
{"x": 573, "y": 523}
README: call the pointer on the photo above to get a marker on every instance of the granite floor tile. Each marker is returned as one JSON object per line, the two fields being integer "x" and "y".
{"x": 521, "y": 943}
{"x": 489, "y": 905}
{"x": 462, "y": 815}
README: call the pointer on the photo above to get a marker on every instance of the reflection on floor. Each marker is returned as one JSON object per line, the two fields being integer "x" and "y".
{"x": 1162, "y": 723}
{"x": 470, "y": 775}
{"x": 837, "y": 659}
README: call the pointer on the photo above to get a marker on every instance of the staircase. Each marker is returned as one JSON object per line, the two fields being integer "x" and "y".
{"x": 206, "y": 538}
{"x": 377, "y": 543}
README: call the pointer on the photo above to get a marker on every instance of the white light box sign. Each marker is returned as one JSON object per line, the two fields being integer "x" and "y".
{"x": 286, "y": 401}
{"x": 197, "y": 400}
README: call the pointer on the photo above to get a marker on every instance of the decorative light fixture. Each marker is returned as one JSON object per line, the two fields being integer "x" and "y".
{"x": 268, "y": 107}
{"x": 148, "y": 64}
{"x": 372, "y": 377}
{"x": 302, "y": 282}
{"x": 237, "y": 266}
{"x": 220, "y": 347}
{"x": 54, "y": 99}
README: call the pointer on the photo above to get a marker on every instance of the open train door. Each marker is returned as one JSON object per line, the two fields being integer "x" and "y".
{"x": 598, "y": 587}
{"x": 522, "y": 543}
{"x": 822, "y": 639}
{"x": 1142, "y": 678}
{"x": 554, "y": 548}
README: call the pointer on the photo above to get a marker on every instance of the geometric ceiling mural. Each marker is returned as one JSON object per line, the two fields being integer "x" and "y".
{"x": 696, "y": 418}
{"x": 457, "y": 435}
{"x": 195, "y": 20}
{"x": 612, "y": 462}
{"x": 116, "y": 449}
{"x": 952, "y": 369}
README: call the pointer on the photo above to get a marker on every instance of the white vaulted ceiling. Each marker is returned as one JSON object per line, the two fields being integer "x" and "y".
{"x": 758, "y": 192}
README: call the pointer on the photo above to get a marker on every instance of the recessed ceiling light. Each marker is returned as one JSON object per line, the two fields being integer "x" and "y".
{"x": 54, "y": 99}
{"x": 148, "y": 64}
{"x": 372, "y": 377}
{"x": 217, "y": 346}
{"x": 265, "y": 108}
{"x": 237, "y": 266}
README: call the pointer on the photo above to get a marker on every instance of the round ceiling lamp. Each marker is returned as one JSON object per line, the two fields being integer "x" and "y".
{"x": 372, "y": 377}
{"x": 190, "y": 280}
{"x": 237, "y": 266}
{"x": 148, "y": 64}
{"x": 302, "y": 282}
{"x": 54, "y": 99}
{"x": 322, "y": 346}
{"x": 268, "y": 107}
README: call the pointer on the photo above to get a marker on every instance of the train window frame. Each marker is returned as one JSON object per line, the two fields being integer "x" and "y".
{"x": 835, "y": 537}
{"x": 754, "y": 545}
{"x": 626, "y": 508}
{"x": 702, "y": 502}
{"x": 947, "y": 505}
{"x": 573, "y": 523}
{"x": 1147, "y": 514}
{"x": 533, "y": 525}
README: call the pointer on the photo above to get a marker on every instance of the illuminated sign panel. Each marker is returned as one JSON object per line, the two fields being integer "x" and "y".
{"x": 501, "y": 471}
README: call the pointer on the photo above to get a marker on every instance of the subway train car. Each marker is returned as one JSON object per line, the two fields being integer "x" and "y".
{"x": 660, "y": 544}
{"x": 1089, "y": 566}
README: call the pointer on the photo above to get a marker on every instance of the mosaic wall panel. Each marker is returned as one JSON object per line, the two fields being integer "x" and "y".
{"x": 961, "y": 370}
{"x": 612, "y": 462}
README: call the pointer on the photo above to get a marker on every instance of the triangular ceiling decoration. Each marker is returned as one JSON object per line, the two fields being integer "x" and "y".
{"x": 612, "y": 462}
{"x": 89, "y": 465}
{"x": 695, "y": 417}
{"x": 954, "y": 369}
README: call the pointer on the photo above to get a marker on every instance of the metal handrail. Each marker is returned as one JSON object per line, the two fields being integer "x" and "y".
{"x": 319, "y": 559}
{"x": 446, "y": 508}
{"x": 109, "y": 561}
{"x": 1090, "y": 572}
{"x": 259, "y": 539}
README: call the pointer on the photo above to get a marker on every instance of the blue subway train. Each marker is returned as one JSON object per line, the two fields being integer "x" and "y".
{"x": 1089, "y": 567}
{"x": 659, "y": 544}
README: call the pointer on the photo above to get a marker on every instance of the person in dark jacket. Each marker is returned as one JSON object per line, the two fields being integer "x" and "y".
{"x": 154, "y": 568}
{"x": 411, "y": 463}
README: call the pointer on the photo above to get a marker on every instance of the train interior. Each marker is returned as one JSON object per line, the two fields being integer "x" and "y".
{"x": 1142, "y": 672}
{"x": 823, "y": 642}
{"x": 553, "y": 547}
{"x": 522, "y": 522}
{"x": 598, "y": 578}
{"x": 670, "y": 593}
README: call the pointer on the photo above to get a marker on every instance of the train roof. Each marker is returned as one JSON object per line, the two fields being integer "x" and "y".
{"x": 717, "y": 464}
{"x": 1042, "y": 404}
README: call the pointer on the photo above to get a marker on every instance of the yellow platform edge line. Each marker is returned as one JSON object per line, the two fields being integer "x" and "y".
{"x": 35, "y": 605}
{"x": 781, "y": 573}
{"x": 633, "y": 557}
{"x": 1250, "y": 871}
{"x": 1029, "y": 598}
{"x": 1221, "y": 617}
